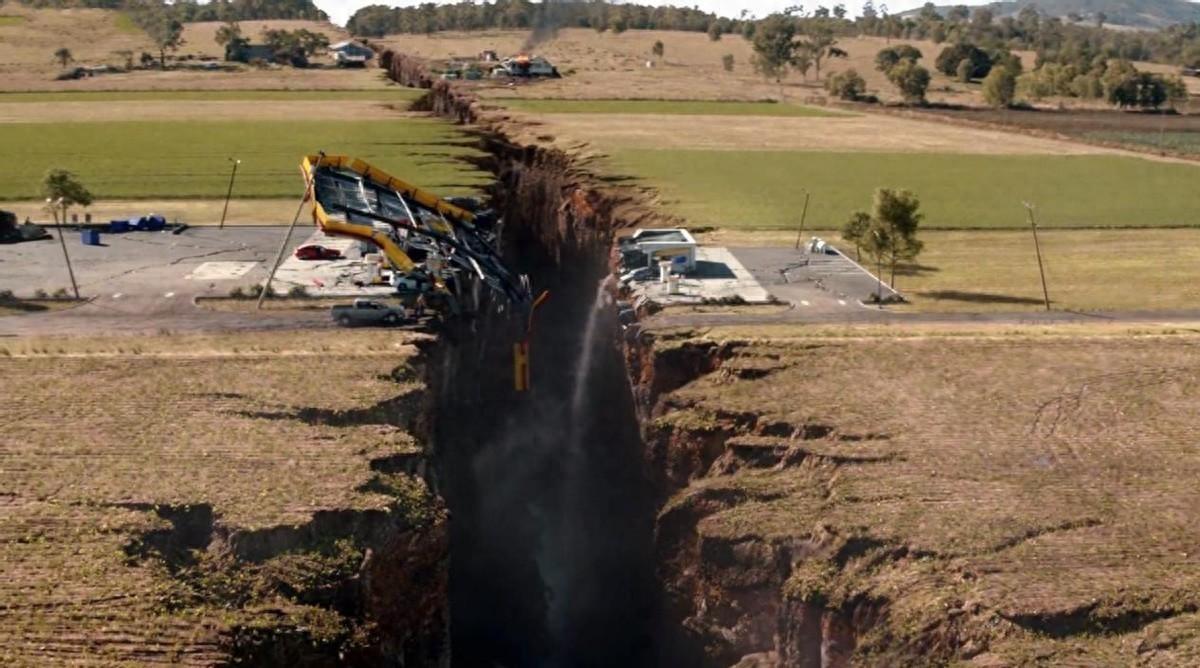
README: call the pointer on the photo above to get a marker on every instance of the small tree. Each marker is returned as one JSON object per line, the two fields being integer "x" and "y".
{"x": 911, "y": 79}
{"x": 658, "y": 49}
{"x": 727, "y": 62}
{"x": 855, "y": 231}
{"x": 892, "y": 235}
{"x": 167, "y": 33}
{"x": 60, "y": 184}
{"x": 63, "y": 55}
{"x": 127, "y": 56}
{"x": 846, "y": 85}
{"x": 888, "y": 58}
{"x": 714, "y": 31}
{"x": 999, "y": 87}
{"x": 773, "y": 46}
{"x": 228, "y": 33}
{"x": 963, "y": 72}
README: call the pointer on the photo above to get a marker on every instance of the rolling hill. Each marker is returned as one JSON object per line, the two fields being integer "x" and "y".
{"x": 1128, "y": 13}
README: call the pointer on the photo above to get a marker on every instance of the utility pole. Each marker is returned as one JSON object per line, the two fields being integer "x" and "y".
{"x": 1038, "y": 247}
{"x": 308, "y": 187}
{"x": 878, "y": 270}
{"x": 54, "y": 204}
{"x": 803, "y": 215}
{"x": 229, "y": 193}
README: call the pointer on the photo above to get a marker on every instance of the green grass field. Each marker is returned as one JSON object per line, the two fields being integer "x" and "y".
{"x": 190, "y": 160}
{"x": 666, "y": 107}
{"x": 766, "y": 189}
{"x": 10, "y": 20}
{"x": 1184, "y": 142}
{"x": 383, "y": 95}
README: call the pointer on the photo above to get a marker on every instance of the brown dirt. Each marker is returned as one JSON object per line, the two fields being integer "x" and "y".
{"x": 100, "y": 487}
{"x": 194, "y": 110}
{"x": 1027, "y": 498}
{"x": 864, "y": 132}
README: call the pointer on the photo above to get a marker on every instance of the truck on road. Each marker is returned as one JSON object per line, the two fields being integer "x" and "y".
{"x": 367, "y": 312}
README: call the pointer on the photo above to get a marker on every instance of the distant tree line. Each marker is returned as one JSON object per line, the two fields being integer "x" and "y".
{"x": 186, "y": 11}
{"x": 1052, "y": 38}
{"x": 379, "y": 20}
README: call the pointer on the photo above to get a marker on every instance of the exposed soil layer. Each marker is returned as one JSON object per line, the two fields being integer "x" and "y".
{"x": 244, "y": 514}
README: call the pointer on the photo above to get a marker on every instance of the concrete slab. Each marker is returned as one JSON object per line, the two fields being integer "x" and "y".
{"x": 220, "y": 271}
{"x": 719, "y": 276}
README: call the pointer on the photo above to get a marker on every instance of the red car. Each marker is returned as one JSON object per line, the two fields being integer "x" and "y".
{"x": 318, "y": 253}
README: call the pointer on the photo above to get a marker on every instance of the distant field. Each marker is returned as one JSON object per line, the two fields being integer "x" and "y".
{"x": 669, "y": 107}
{"x": 1184, "y": 142}
{"x": 8, "y": 20}
{"x": 1085, "y": 269}
{"x": 383, "y": 94}
{"x": 766, "y": 189}
{"x": 181, "y": 160}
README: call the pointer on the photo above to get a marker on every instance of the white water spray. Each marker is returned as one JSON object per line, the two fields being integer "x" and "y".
{"x": 583, "y": 365}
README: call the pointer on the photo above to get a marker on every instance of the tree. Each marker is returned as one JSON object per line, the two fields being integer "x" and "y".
{"x": 727, "y": 62}
{"x": 64, "y": 188}
{"x": 846, "y": 85}
{"x": 888, "y": 58}
{"x": 228, "y": 33}
{"x": 999, "y": 87}
{"x": 963, "y": 71}
{"x": 822, "y": 44}
{"x": 855, "y": 231}
{"x": 166, "y": 32}
{"x": 1101, "y": 17}
{"x": 911, "y": 79}
{"x": 892, "y": 235}
{"x": 63, "y": 55}
{"x": 714, "y": 31}
{"x": 127, "y": 55}
{"x": 658, "y": 49}
{"x": 773, "y": 46}
{"x": 949, "y": 59}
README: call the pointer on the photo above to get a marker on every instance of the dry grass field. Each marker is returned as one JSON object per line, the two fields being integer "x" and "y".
{"x": 97, "y": 37}
{"x": 996, "y": 270}
{"x": 1032, "y": 495}
{"x": 122, "y": 455}
{"x": 608, "y": 65}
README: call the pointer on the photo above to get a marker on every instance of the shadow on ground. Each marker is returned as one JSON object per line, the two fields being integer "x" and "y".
{"x": 977, "y": 297}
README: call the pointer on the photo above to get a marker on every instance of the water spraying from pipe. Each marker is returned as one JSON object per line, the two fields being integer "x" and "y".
{"x": 583, "y": 365}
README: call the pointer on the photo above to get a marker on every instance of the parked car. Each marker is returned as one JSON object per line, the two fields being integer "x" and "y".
{"x": 367, "y": 312}
{"x": 313, "y": 252}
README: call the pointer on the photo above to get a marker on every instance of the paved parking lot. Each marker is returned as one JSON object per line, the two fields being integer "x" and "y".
{"x": 817, "y": 282}
{"x": 141, "y": 281}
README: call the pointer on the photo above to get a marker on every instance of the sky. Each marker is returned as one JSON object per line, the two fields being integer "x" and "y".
{"x": 340, "y": 10}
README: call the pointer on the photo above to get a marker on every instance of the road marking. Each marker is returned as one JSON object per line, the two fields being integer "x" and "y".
{"x": 216, "y": 271}
{"x": 117, "y": 295}
{"x": 842, "y": 302}
{"x": 804, "y": 302}
{"x": 169, "y": 295}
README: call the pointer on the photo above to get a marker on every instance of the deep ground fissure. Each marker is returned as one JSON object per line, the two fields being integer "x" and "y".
{"x": 552, "y": 515}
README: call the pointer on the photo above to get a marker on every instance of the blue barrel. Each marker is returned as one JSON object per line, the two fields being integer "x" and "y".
{"x": 90, "y": 237}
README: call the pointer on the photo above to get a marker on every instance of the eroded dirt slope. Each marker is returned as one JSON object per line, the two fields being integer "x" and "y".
{"x": 255, "y": 497}
{"x": 882, "y": 501}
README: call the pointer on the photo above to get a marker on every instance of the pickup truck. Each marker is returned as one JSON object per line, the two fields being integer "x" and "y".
{"x": 367, "y": 312}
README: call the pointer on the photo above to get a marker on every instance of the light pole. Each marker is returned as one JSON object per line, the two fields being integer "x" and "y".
{"x": 1038, "y": 247}
{"x": 53, "y": 206}
{"x": 229, "y": 193}
{"x": 803, "y": 215}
